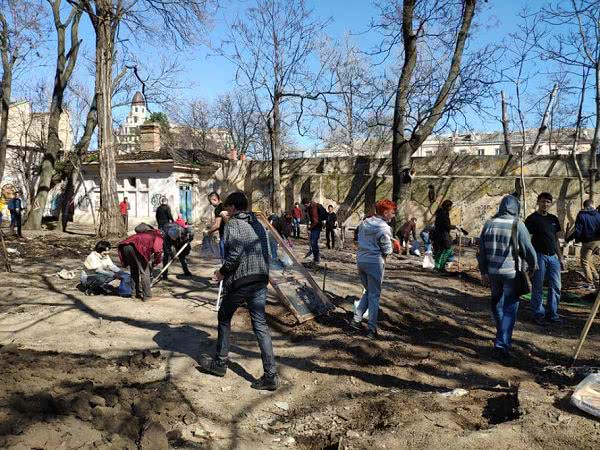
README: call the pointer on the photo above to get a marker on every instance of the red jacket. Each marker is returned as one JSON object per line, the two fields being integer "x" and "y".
{"x": 297, "y": 213}
{"x": 124, "y": 207}
{"x": 148, "y": 244}
{"x": 313, "y": 215}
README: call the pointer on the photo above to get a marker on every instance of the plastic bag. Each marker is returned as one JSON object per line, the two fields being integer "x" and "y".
{"x": 587, "y": 395}
{"x": 356, "y": 302}
{"x": 285, "y": 259}
{"x": 210, "y": 248}
{"x": 428, "y": 261}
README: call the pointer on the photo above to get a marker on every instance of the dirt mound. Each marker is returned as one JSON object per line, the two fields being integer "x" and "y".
{"x": 50, "y": 400}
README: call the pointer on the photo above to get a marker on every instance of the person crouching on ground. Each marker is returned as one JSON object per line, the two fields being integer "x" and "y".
{"x": 374, "y": 245}
{"x": 99, "y": 271}
{"x": 139, "y": 252}
{"x": 175, "y": 238}
{"x": 245, "y": 275}
{"x": 498, "y": 267}
{"x": 442, "y": 242}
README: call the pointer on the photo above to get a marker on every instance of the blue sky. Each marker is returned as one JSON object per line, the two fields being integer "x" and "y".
{"x": 206, "y": 75}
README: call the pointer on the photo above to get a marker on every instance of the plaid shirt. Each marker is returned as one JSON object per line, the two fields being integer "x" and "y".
{"x": 246, "y": 252}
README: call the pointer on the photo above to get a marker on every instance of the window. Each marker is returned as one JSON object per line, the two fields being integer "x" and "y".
{"x": 136, "y": 109}
{"x": 428, "y": 153}
{"x": 131, "y": 181}
{"x": 135, "y": 119}
{"x": 498, "y": 151}
{"x": 462, "y": 151}
{"x": 480, "y": 151}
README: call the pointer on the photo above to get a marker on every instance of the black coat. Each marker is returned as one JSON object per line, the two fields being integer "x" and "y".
{"x": 441, "y": 234}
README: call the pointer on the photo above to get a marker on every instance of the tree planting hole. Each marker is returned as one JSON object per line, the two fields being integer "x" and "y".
{"x": 503, "y": 408}
{"x": 334, "y": 446}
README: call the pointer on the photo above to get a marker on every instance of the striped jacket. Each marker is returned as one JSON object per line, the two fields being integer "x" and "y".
{"x": 495, "y": 249}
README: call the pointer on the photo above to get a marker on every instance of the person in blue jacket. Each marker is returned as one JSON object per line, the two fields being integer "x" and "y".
{"x": 587, "y": 231}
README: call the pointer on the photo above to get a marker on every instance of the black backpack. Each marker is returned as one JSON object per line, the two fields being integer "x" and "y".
{"x": 321, "y": 212}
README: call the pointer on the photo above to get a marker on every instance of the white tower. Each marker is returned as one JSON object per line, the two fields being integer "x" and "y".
{"x": 128, "y": 132}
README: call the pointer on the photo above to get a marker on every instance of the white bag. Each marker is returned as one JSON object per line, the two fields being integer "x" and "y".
{"x": 356, "y": 302}
{"x": 587, "y": 395}
{"x": 428, "y": 261}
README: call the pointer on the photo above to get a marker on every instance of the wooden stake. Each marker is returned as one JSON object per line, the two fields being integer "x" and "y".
{"x": 587, "y": 326}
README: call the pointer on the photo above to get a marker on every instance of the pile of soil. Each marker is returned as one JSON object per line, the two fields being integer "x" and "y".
{"x": 51, "y": 400}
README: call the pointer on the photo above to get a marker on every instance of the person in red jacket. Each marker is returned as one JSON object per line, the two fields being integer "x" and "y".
{"x": 296, "y": 218}
{"x": 124, "y": 207}
{"x": 138, "y": 252}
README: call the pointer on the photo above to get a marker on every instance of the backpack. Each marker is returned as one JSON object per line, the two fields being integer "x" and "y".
{"x": 321, "y": 212}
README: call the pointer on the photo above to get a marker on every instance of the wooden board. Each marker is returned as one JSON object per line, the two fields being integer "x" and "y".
{"x": 292, "y": 282}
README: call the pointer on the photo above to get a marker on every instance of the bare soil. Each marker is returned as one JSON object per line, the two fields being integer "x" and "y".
{"x": 107, "y": 372}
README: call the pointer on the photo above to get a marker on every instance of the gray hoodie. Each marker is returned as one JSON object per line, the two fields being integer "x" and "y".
{"x": 374, "y": 240}
{"x": 495, "y": 249}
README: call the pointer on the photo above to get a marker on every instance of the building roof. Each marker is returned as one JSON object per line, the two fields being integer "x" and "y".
{"x": 138, "y": 99}
{"x": 177, "y": 155}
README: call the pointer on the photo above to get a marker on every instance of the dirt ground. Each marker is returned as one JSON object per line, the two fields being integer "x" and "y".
{"x": 109, "y": 373}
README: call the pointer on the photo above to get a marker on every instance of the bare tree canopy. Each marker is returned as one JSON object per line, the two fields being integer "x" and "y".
{"x": 273, "y": 47}
{"x": 20, "y": 35}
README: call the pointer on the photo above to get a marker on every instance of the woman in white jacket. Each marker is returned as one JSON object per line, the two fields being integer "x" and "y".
{"x": 374, "y": 245}
{"x": 99, "y": 270}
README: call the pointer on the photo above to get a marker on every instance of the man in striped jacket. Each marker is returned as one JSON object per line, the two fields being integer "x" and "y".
{"x": 497, "y": 267}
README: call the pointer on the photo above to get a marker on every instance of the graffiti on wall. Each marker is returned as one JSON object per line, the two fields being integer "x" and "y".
{"x": 83, "y": 203}
{"x": 156, "y": 200}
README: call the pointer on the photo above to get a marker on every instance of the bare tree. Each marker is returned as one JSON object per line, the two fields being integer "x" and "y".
{"x": 236, "y": 112}
{"x": 272, "y": 48}
{"x": 180, "y": 20}
{"x": 352, "y": 125}
{"x": 573, "y": 40}
{"x": 433, "y": 80}
{"x": 66, "y": 59}
{"x": 193, "y": 124}
{"x": 20, "y": 35}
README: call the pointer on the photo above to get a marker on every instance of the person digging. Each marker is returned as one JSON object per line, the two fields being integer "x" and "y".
{"x": 245, "y": 274}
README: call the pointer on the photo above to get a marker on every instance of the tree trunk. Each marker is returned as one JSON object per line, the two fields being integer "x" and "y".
{"x": 576, "y": 139}
{"x": 81, "y": 149}
{"x": 111, "y": 223}
{"x": 403, "y": 149}
{"x": 276, "y": 157}
{"x": 596, "y": 139}
{"x": 65, "y": 63}
{"x": 5, "y": 91}
{"x": 505, "y": 125}
{"x": 544, "y": 124}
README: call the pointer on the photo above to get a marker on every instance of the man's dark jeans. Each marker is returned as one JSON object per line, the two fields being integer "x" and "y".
{"x": 315, "y": 234}
{"x": 256, "y": 298}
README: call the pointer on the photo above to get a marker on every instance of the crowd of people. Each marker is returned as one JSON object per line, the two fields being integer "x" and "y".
{"x": 511, "y": 252}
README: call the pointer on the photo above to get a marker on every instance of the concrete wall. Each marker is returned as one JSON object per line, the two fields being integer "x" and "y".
{"x": 353, "y": 185}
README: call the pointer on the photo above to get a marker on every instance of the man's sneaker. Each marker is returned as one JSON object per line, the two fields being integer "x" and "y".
{"x": 353, "y": 328}
{"x": 372, "y": 335}
{"x": 266, "y": 383}
{"x": 540, "y": 321}
{"x": 501, "y": 356}
{"x": 213, "y": 368}
{"x": 187, "y": 274}
{"x": 555, "y": 321}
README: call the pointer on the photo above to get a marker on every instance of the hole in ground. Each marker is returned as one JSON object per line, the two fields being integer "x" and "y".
{"x": 503, "y": 408}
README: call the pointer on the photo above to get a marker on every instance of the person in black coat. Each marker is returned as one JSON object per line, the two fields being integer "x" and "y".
{"x": 163, "y": 214}
{"x": 442, "y": 242}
